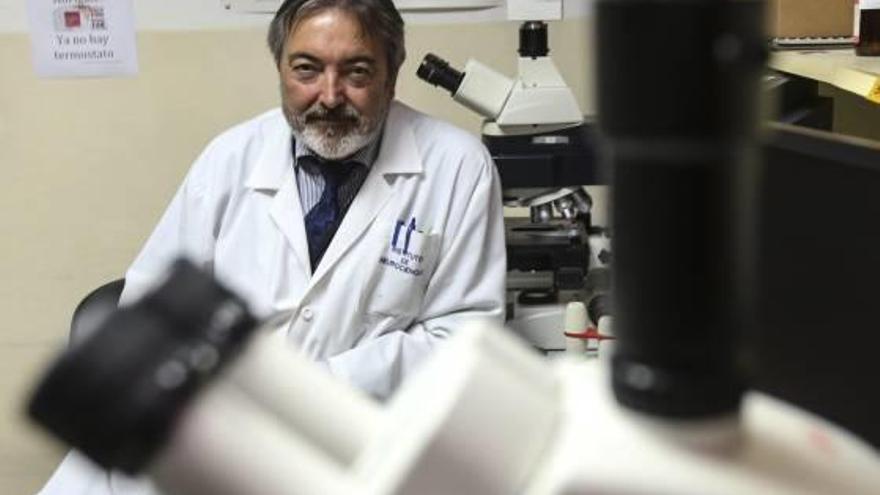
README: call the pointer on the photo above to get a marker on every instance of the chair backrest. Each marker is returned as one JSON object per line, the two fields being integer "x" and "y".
{"x": 94, "y": 308}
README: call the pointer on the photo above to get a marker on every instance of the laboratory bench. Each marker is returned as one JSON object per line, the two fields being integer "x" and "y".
{"x": 840, "y": 68}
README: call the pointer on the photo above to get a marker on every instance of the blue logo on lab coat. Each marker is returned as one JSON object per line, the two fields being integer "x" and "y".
{"x": 405, "y": 250}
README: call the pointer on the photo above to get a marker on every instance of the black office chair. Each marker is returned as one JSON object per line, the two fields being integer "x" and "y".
{"x": 94, "y": 309}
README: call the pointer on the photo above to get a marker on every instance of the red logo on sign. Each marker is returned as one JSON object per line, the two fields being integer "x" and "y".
{"x": 72, "y": 19}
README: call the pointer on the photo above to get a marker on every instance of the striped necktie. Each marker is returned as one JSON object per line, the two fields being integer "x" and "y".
{"x": 324, "y": 218}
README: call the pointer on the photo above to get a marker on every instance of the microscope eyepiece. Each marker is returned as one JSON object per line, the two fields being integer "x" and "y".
{"x": 437, "y": 71}
{"x": 533, "y": 39}
{"x": 685, "y": 159}
{"x": 116, "y": 395}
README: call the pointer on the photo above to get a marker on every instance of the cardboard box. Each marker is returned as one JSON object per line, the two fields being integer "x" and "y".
{"x": 810, "y": 18}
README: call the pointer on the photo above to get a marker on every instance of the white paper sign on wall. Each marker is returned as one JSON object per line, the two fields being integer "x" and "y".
{"x": 82, "y": 38}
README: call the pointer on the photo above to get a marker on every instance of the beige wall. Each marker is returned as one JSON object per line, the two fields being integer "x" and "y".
{"x": 87, "y": 166}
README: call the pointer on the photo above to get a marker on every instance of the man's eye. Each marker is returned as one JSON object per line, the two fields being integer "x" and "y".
{"x": 360, "y": 74}
{"x": 305, "y": 70}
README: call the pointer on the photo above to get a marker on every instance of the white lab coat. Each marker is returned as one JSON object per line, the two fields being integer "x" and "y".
{"x": 420, "y": 250}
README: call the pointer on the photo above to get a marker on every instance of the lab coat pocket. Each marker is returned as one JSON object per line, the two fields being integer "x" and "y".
{"x": 405, "y": 259}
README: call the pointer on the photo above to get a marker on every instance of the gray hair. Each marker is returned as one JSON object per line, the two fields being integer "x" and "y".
{"x": 379, "y": 19}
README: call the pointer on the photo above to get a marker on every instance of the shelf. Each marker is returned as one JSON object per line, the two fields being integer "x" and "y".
{"x": 840, "y": 68}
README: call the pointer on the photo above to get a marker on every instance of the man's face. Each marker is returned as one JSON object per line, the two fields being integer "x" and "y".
{"x": 335, "y": 84}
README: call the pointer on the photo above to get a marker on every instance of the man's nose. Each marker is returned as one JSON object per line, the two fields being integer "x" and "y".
{"x": 331, "y": 93}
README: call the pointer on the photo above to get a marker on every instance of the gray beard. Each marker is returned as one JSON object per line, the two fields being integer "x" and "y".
{"x": 333, "y": 143}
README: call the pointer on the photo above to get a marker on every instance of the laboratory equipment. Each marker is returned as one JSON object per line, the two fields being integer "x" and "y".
{"x": 544, "y": 149}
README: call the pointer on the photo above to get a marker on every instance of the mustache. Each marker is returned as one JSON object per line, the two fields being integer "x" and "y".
{"x": 343, "y": 114}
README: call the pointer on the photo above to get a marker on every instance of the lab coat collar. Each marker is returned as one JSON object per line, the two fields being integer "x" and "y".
{"x": 398, "y": 153}
{"x": 276, "y": 157}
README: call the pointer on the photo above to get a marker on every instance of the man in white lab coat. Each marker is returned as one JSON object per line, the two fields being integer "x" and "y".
{"x": 376, "y": 228}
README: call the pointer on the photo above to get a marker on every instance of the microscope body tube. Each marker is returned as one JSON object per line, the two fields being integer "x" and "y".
{"x": 333, "y": 415}
{"x": 483, "y": 89}
{"x": 678, "y": 129}
{"x": 602, "y": 447}
{"x": 272, "y": 419}
{"x": 225, "y": 443}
